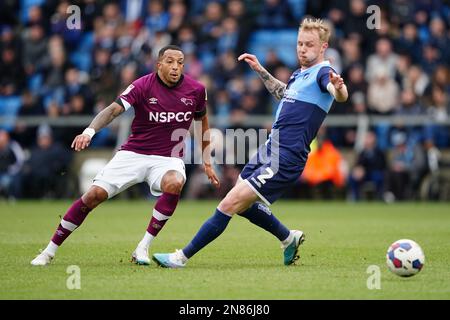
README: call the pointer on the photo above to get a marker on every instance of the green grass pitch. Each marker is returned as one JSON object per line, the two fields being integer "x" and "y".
{"x": 343, "y": 240}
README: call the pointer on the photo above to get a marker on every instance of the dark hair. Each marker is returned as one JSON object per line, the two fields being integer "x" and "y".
{"x": 169, "y": 47}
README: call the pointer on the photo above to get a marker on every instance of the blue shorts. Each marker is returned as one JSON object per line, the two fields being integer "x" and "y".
{"x": 269, "y": 176}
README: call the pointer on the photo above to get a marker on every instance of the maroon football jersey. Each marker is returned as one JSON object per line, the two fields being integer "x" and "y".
{"x": 159, "y": 111}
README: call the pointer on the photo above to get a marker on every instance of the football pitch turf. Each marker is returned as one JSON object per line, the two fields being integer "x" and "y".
{"x": 342, "y": 241}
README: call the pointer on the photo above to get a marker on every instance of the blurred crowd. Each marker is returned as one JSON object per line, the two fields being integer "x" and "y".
{"x": 46, "y": 69}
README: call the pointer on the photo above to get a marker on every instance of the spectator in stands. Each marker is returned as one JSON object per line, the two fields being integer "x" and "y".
{"x": 238, "y": 11}
{"x": 222, "y": 107}
{"x": 186, "y": 39}
{"x": 409, "y": 106}
{"x": 12, "y": 74}
{"x": 383, "y": 58}
{"x": 35, "y": 48}
{"x": 54, "y": 72}
{"x": 351, "y": 52}
{"x": 383, "y": 92}
{"x": 356, "y": 84}
{"x": 209, "y": 26}
{"x": 325, "y": 168}
{"x": 36, "y": 15}
{"x": 441, "y": 79}
{"x": 421, "y": 19}
{"x": 226, "y": 69}
{"x": 229, "y": 37}
{"x": 31, "y": 106}
{"x": 439, "y": 104}
{"x": 370, "y": 168}
{"x": 416, "y": 79}
{"x": 112, "y": 15}
{"x": 157, "y": 19}
{"x": 409, "y": 42}
{"x": 273, "y": 61}
{"x": 9, "y": 40}
{"x": 402, "y": 68}
{"x": 431, "y": 57}
{"x": 11, "y": 161}
{"x": 75, "y": 85}
{"x": 439, "y": 37}
{"x": 438, "y": 107}
{"x": 400, "y": 11}
{"x": 123, "y": 56}
{"x": 90, "y": 11}
{"x": 103, "y": 80}
{"x": 177, "y": 17}
{"x": 44, "y": 173}
{"x": 356, "y": 19}
{"x": 400, "y": 167}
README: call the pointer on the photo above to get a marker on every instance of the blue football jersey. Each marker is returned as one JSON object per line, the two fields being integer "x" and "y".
{"x": 301, "y": 112}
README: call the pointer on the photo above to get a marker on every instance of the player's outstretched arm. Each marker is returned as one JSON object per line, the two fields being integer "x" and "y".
{"x": 101, "y": 120}
{"x": 275, "y": 86}
{"x": 206, "y": 153}
{"x": 337, "y": 87}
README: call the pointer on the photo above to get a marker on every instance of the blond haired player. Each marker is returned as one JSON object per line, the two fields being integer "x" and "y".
{"x": 304, "y": 103}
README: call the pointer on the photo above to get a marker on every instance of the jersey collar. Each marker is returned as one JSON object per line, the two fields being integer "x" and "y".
{"x": 165, "y": 85}
{"x": 323, "y": 63}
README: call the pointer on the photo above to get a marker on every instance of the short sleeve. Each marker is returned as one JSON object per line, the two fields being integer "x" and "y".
{"x": 200, "y": 109}
{"x": 323, "y": 78}
{"x": 130, "y": 96}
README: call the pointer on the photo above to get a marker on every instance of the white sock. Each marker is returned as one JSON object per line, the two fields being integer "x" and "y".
{"x": 146, "y": 240}
{"x": 181, "y": 256}
{"x": 51, "y": 248}
{"x": 288, "y": 240}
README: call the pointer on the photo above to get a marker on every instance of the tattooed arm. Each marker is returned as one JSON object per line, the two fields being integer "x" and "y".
{"x": 275, "y": 86}
{"x": 101, "y": 120}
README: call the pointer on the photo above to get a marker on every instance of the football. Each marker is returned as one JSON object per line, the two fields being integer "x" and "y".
{"x": 405, "y": 258}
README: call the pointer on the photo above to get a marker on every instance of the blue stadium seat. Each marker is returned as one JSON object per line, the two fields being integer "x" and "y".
{"x": 283, "y": 42}
{"x": 35, "y": 83}
{"x": 86, "y": 41}
{"x": 82, "y": 56}
{"x": 298, "y": 8}
{"x": 9, "y": 107}
{"x": 25, "y": 5}
{"x": 81, "y": 59}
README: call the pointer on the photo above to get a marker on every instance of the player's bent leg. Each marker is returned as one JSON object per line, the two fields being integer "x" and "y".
{"x": 94, "y": 196}
{"x": 73, "y": 218}
{"x": 171, "y": 185}
{"x": 172, "y": 182}
{"x": 239, "y": 198}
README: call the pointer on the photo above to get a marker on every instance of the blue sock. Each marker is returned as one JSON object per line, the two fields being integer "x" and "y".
{"x": 210, "y": 230}
{"x": 261, "y": 215}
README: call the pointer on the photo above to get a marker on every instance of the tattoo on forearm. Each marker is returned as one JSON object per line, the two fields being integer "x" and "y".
{"x": 275, "y": 86}
{"x": 105, "y": 116}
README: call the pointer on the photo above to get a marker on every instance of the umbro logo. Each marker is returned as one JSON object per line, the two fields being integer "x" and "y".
{"x": 153, "y": 100}
{"x": 187, "y": 101}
